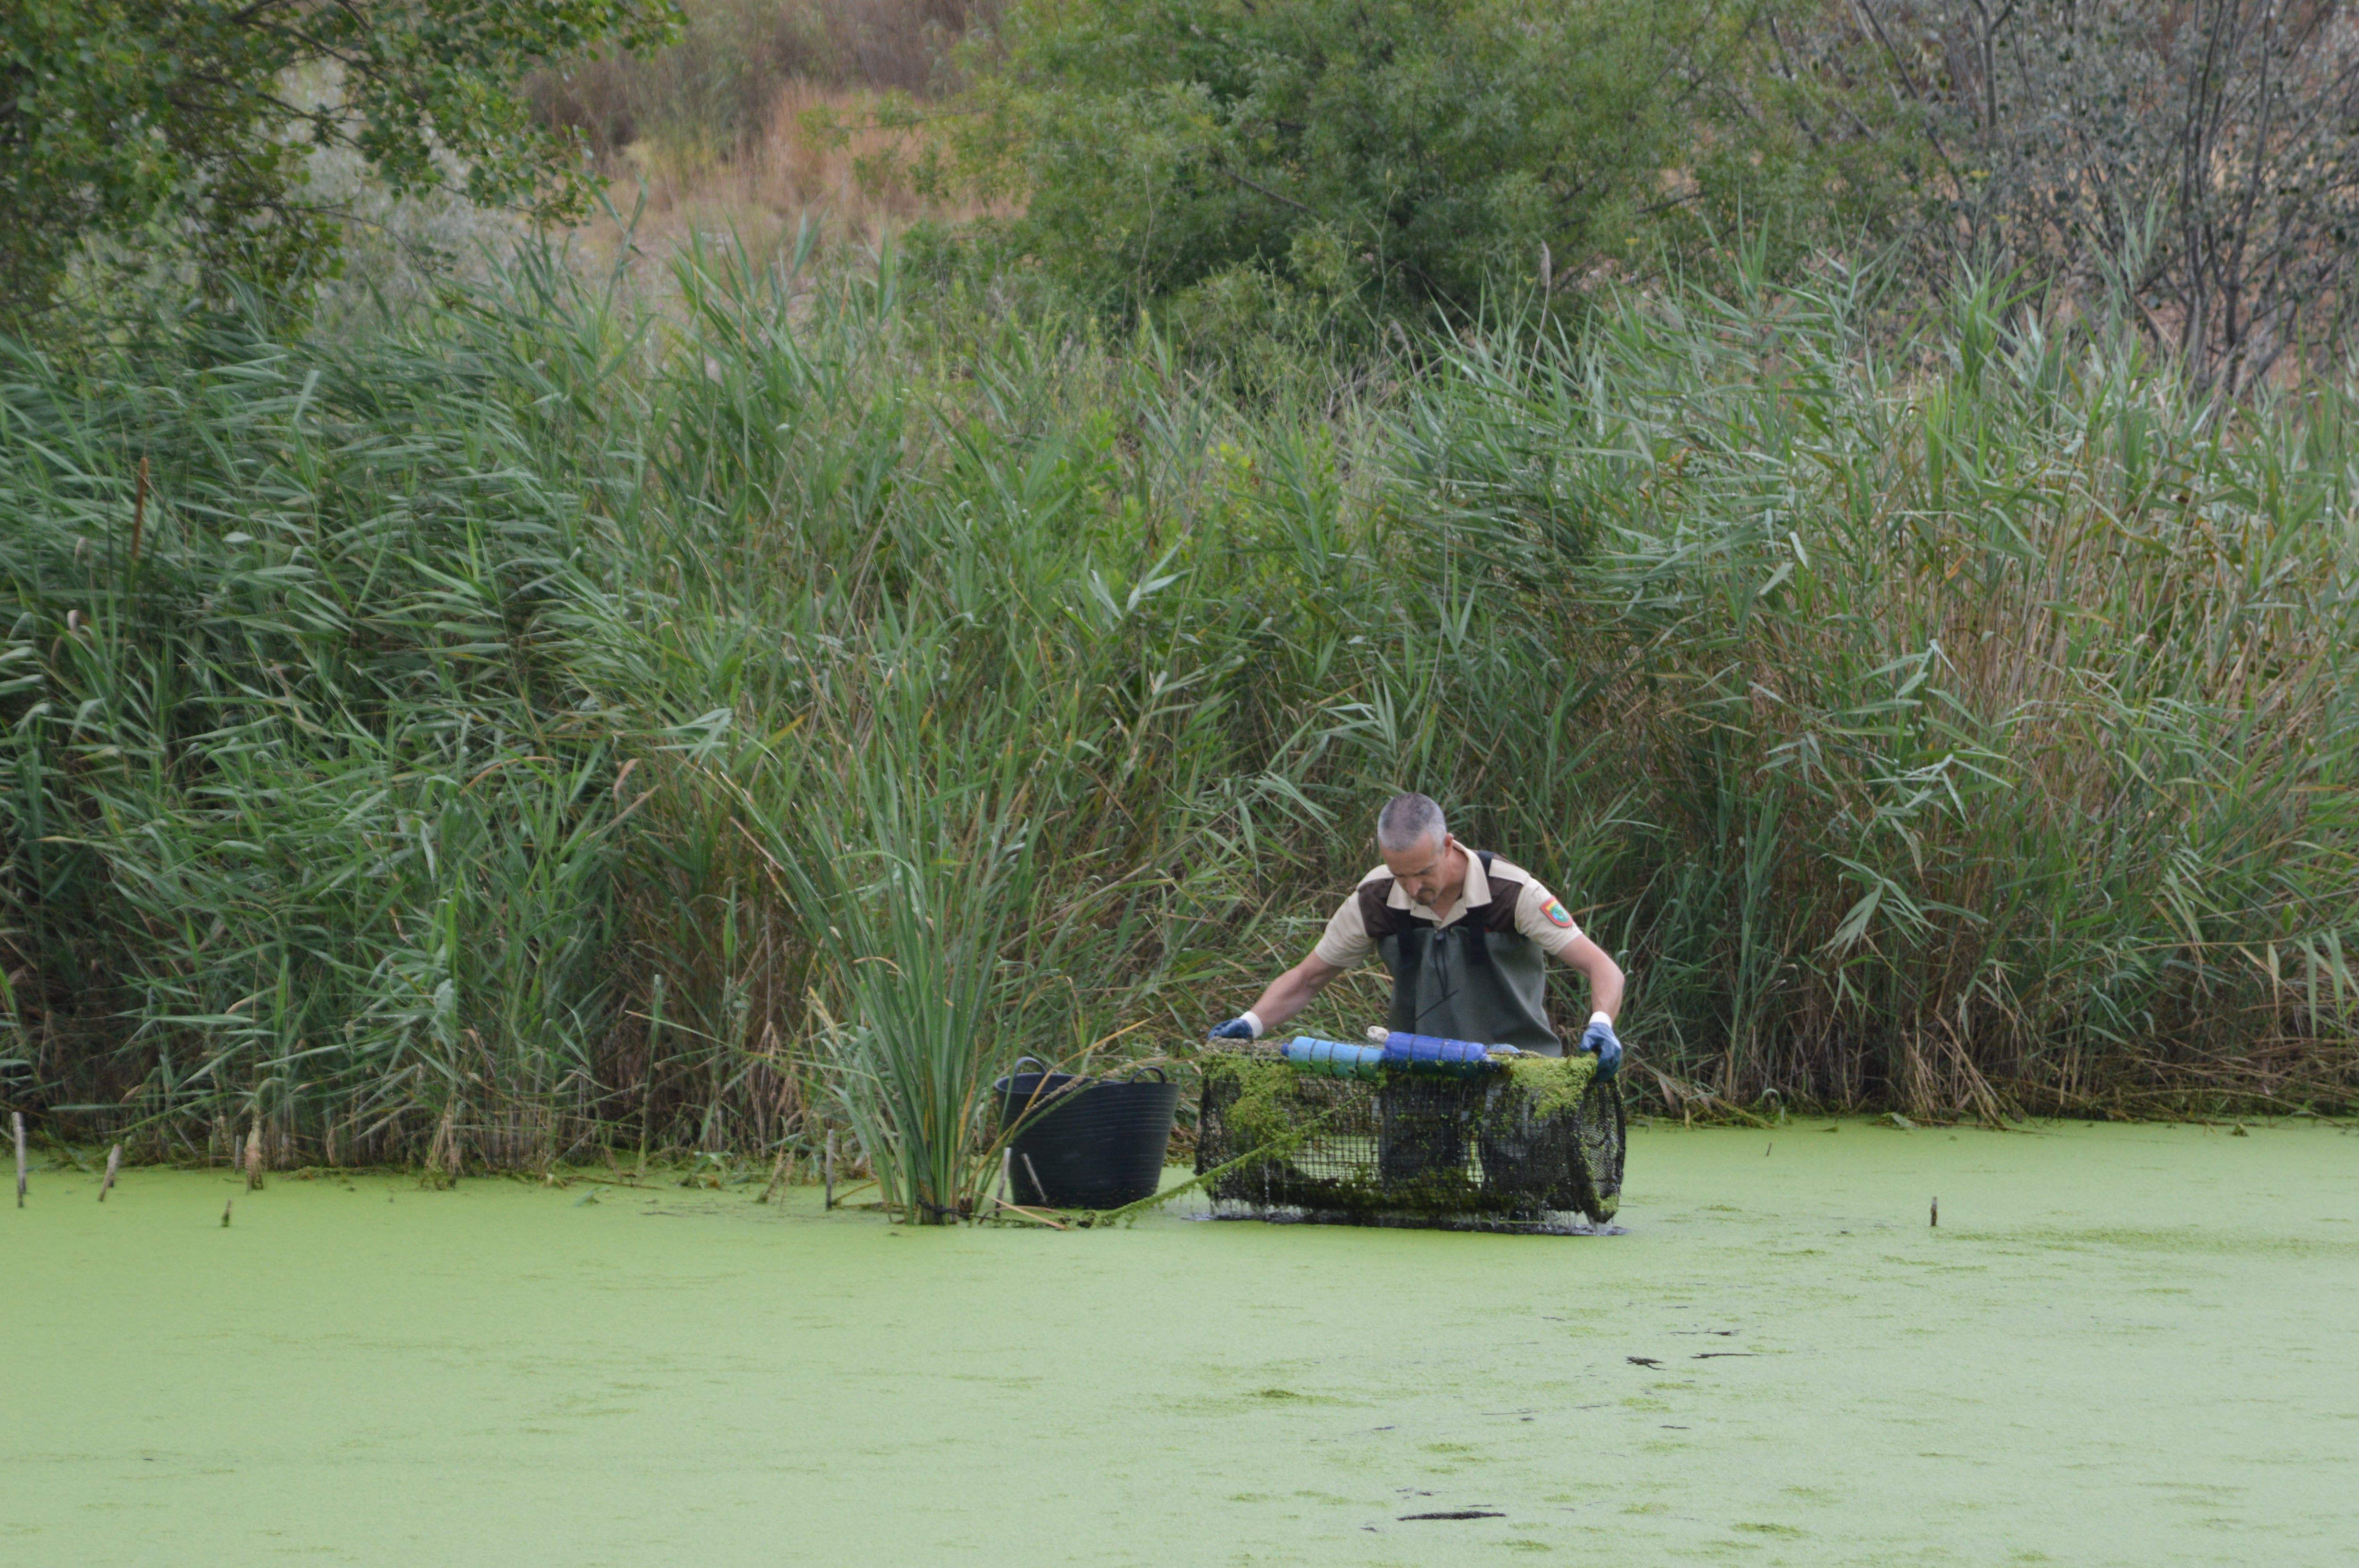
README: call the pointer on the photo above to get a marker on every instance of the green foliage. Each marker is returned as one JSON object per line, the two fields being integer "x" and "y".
{"x": 916, "y": 843}
{"x": 164, "y": 122}
{"x": 891, "y": 692}
{"x": 1959, "y": 666}
{"x": 296, "y": 792}
{"x": 1801, "y": 147}
{"x": 1387, "y": 157}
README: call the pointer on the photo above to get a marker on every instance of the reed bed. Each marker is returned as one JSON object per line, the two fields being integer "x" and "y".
{"x": 544, "y": 725}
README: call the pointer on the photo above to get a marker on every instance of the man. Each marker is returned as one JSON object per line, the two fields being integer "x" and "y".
{"x": 1467, "y": 936}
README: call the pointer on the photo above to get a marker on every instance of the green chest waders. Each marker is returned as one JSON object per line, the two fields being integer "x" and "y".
{"x": 1477, "y": 978}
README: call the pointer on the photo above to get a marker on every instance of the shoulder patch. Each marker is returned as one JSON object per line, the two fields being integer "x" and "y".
{"x": 1556, "y": 914}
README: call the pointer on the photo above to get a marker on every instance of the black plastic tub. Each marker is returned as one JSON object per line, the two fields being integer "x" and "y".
{"x": 1084, "y": 1142}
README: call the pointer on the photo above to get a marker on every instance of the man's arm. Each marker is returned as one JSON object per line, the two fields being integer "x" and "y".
{"x": 1605, "y": 997}
{"x": 1604, "y": 975}
{"x": 1343, "y": 943}
{"x": 1292, "y": 992}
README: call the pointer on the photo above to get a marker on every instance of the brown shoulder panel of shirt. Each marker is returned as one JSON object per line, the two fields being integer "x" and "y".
{"x": 1499, "y": 915}
{"x": 1377, "y": 916}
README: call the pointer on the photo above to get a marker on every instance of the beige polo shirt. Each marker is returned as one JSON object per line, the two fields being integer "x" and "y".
{"x": 1539, "y": 915}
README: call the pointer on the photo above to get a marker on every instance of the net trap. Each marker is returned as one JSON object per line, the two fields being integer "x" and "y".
{"x": 1418, "y": 1132}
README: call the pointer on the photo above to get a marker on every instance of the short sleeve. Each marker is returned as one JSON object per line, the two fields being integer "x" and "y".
{"x": 1344, "y": 944}
{"x": 1542, "y": 917}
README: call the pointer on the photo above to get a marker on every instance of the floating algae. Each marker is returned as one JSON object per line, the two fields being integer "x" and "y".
{"x": 1255, "y": 1095}
{"x": 1553, "y": 1084}
{"x": 2093, "y": 1361}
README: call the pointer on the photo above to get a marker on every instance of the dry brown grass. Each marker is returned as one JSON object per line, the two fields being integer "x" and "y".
{"x": 856, "y": 189}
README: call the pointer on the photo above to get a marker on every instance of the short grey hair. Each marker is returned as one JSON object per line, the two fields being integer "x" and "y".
{"x": 1407, "y": 821}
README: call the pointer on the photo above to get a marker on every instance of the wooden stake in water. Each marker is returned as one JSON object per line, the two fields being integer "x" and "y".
{"x": 18, "y": 1118}
{"x": 113, "y": 1164}
{"x": 253, "y": 1156}
{"x": 225, "y": 1203}
{"x": 827, "y": 1174}
{"x": 1937, "y": 1213}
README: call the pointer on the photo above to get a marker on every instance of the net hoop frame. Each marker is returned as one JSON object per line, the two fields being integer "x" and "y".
{"x": 1410, "y": 1150}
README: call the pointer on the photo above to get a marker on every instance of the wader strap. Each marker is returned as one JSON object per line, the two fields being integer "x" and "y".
{"x": 1478, "y": 951}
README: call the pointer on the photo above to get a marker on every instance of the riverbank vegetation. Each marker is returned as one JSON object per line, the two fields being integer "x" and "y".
{"x": 694, "y": 703}
{"x": 448, "y": 730}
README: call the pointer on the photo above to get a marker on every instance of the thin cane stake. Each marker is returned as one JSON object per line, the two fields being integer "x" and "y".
{"x": 113, "y": 1164}
{"x": 828, "y": 1174}
{"x": 18, "y": 1118}
{"x": 1037, "y": 1217}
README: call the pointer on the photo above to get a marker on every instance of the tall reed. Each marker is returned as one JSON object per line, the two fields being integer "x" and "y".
{"x": 897, "y": 685}
{"x": 1994, "y": 711}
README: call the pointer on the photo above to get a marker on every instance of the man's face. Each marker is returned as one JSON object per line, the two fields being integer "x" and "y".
{"x": 1423, "y": 868}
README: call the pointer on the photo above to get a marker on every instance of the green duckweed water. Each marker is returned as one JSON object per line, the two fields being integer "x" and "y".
{"x": 2122, "y": 1345}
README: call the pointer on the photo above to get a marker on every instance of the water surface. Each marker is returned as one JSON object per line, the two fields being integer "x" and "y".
{"x": 2122, "y": 1345}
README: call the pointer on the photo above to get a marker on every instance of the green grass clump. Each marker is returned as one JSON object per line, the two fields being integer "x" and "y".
{"x": 547, "y": 724}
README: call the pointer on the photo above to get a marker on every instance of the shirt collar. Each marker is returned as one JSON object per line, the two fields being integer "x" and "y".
{"x": 1476, "y": 892}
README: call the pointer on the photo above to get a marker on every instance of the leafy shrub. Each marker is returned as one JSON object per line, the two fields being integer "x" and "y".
{"x": 179, "y": 122}
{"x": 1386, "y": 156}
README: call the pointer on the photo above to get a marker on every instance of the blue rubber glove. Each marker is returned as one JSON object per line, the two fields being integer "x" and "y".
{"x": 1234, "y": 1029}
{"x": 1600, "y": 1038}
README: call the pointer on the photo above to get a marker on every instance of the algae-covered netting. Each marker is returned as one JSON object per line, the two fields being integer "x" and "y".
{"x": 1535, "y": 1144}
